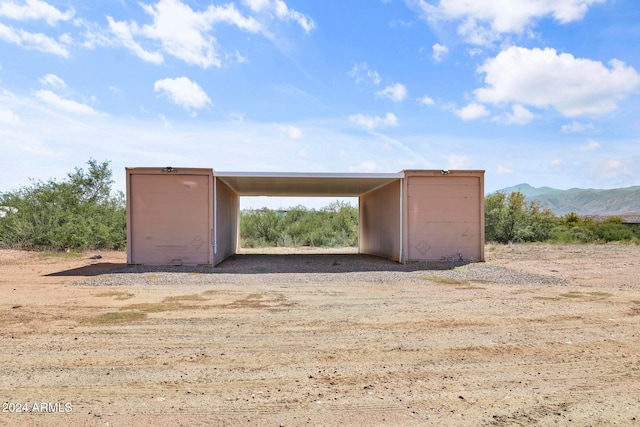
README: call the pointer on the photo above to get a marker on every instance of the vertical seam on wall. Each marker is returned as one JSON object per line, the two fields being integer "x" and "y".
{"x": 215, "y": 217}
{"x": 401, "y": 221}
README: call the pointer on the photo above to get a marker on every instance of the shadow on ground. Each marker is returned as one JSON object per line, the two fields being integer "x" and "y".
{"x": 89, "y": 270}
{"x": 269, "y": 263}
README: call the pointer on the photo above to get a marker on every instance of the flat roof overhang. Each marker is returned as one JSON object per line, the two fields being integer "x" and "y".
{"x": 294, "y": 184}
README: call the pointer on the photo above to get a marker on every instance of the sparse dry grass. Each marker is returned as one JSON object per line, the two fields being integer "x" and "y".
{"x": 149, "y": 307}
{"x": 443, "y": 280}
{"x": 116, "y": 317}
{"x": 59, "y": 255}
{"x": 179, "y": 298}
{"x": 118, "y": 295}
{"x": 593, "y": 295}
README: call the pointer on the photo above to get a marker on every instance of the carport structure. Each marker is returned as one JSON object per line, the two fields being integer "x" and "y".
{"x": 192, "y": 215}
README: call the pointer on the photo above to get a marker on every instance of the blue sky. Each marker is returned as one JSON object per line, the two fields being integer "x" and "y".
{"x": 545, "y": 92}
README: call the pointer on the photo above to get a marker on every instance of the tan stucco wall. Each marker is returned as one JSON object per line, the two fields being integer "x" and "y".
{"x": 379, "y": 222}
{"x": 169, "y": 216}
{"x": 444, "y": 215}
{"x": 227, "y": 217}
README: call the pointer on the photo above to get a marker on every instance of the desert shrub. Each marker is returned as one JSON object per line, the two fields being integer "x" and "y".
{"x": 333, "y": 225}
{"x": 572, "y": 228}
{"x": 80, "y": 212}
{"x": 510, "y": 218}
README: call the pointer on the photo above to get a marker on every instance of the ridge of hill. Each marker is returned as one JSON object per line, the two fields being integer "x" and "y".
{"x": 624, "y": 202}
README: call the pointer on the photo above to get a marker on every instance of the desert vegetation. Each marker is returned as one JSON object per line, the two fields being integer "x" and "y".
{"x": 333, "y": 225}
{"x": 79, "y": 212}
{"x": 511, "y": 218}
{"x": 82, "y": 211}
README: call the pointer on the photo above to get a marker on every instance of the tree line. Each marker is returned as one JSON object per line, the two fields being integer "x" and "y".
{"x": 79, "y": 212}
{"x": 511, "y": 218}
{"x": 333, "y": 225}
{"x": 83, "y": 212}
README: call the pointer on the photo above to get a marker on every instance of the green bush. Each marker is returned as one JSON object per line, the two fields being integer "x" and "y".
{"x": 510, "y": 218}
{"x": 80, "y": 212}
{"x": 333, "y": 225}
{"x": 572, "y": 228}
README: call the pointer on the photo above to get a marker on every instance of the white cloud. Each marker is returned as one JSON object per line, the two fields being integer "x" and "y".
{"x": 362, "y": 71}
{"x": 235, "y": 57}
{"x": 426, "y": 100}
{"x": 483, "y": 22}
{"x": 612, "y": 168}
{"x": 557, "y": 162}
{"x": 439, "y": 52}
{"x": 575, "y": 127}
{"x": 543, "y": 78}
{"x": 519, "y": 115}
{"x": 67, "y": 105}
{"x": 473, "y": 111}
{"x": 474, "y": 51}
{"x": 590, "y": 145}
{"x": 280, "y": 9}
{"x": 371, "y": 122}
{"x": 503, "y": 170}
{"x": 181, "y": 31}
{"x": 124, "y": 33}
{"x": 8, "y": 116}
{"x": 292, "y": 131}
{"x": 53, "y": 81}
{"x": 183, "y": 92}
{"x": 34, "y": 9}
{"x": 456, "y": 161}
{"x": 33, "y": 41}
{"x": 396, "y": 92}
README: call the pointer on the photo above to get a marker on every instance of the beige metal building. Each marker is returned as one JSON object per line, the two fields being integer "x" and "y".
{"x": 192, "y": 215}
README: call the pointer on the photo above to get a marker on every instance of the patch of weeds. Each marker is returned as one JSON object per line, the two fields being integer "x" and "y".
{"x": 153, "y": 276}
{"x": 335, "y": 263}
{"x": 635, "y": 301}
{"x": 443, "y": 280}
{"x": 210, "y": 292}
{"x": 470, "y": 287}
{"x": 149, "y": 307}
{"x": 179, "y": 298}
{"x": 594, "y": 295}
{"x": 599, "y": 294}
{"x": 573, "y": 294}
{"x": 254, "y": 296}
{"x": 60, "y": 255}
{"x": 246, "y": 303}
{"x": 464, "y": 270}
{"x": 259, "y": 269}
{"x": 118, "y": 295}
{"x": 117, "y": 317}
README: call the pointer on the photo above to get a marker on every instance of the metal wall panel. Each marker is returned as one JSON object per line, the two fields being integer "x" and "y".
{"x": 227, "y": 221}
{"x": 444, "y": 216}
{"x": 379, "y": 222}
{"x": 169, "y": 219}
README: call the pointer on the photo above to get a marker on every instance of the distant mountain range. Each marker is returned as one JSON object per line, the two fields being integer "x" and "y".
{"x": 623, "y": 202}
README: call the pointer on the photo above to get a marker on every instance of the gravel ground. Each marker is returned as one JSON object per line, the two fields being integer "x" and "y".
{"x": 300, "y": 269}
{"x": 538, "y": 335}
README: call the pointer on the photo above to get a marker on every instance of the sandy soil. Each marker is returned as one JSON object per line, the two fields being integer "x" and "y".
{"x": 420, "y": 351}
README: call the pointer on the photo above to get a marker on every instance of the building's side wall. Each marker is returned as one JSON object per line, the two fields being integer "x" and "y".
{"x": 169, "y": 216}
{"x": 379, "y": 222}
{"x": 444, "y": 215}
{"x": 227, "y": 221}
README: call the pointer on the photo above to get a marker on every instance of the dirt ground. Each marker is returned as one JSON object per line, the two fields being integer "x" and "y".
{"x": 417, "y": 351}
